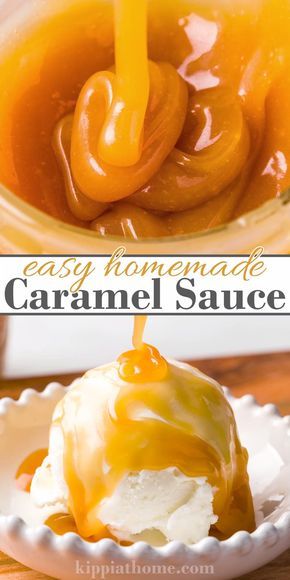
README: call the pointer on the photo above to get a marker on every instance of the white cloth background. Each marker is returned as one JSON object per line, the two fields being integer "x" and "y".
{"x": 47, "y": 345}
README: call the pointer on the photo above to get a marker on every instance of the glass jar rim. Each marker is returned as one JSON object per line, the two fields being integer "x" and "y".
{"x": 30, "y": 214}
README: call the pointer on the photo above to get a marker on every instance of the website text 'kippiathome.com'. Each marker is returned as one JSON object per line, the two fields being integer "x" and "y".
{"x": 132, "y": 568}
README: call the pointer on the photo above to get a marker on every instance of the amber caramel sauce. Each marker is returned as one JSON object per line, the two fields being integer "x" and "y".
{"x": 28, "y": 468}
{"x": 144, "y": 363}
{"x": 189, "y": 150}
{"x": 112, "y": 426}
{"x": 61, "y": 524}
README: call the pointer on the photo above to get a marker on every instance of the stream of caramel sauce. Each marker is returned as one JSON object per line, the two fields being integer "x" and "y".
{"x": 144, "y": 363}
{"x": 149, "y": 118}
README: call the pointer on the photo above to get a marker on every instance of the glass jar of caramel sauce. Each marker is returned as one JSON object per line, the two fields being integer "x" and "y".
{"x": 202, "y": 165}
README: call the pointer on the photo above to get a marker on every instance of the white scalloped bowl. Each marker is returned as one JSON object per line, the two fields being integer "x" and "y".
{"x": 24, "y": 427}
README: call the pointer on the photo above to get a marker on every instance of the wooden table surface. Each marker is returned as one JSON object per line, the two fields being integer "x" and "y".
{"x": 267, "y": 377}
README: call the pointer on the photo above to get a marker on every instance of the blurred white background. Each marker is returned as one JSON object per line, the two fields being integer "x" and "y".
{"x": 50, "y": 345}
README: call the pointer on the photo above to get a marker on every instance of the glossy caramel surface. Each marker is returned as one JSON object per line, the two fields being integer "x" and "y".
{"x": 212, "y": 144}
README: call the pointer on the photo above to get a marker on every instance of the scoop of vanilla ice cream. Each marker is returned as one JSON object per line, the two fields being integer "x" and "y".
{"x": 156, "y": 506}
{"x": 149, "y": 505}
{"x": 153, "y": 506}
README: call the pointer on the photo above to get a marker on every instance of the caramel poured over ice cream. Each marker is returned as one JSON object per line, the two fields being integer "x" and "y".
{"x": 121, "y": 418}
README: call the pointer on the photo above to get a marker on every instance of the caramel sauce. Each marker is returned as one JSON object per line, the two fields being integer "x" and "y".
{"x": 123, "y": 418}
{"x": 138, "y": 331}
{"x": 28, "y": 468}
{"x": 61, "y": 524}
{"x": 121, "y": 138}
{"x": 143, "y": 364}
{"x": 178, "y": 110}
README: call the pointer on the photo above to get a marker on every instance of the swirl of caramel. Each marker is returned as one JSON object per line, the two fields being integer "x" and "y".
{"x": 129, "y": 221}
{"x": 81, "y": 206}
{"x": 164, "y": 120}
{"x": 210, "y": 154}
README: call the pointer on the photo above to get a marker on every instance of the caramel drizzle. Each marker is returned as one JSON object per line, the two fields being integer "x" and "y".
{"x": 144, "y": 363}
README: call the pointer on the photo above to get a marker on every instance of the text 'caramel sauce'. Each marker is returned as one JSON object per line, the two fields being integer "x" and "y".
{"x": 162, "y": 416}
{"x": 149, "y": 118}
